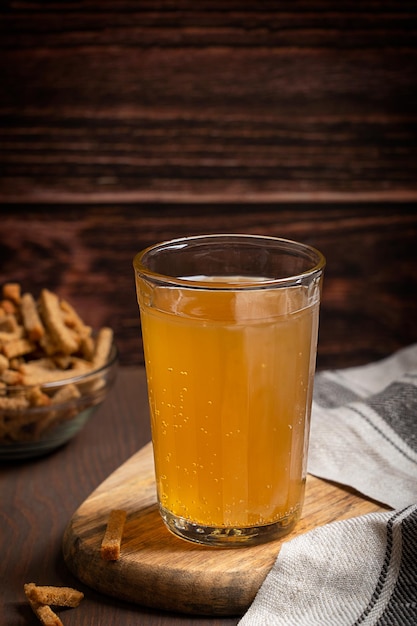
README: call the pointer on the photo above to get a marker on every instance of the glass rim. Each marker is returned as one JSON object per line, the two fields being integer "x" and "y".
{"x": 290, "y": 245}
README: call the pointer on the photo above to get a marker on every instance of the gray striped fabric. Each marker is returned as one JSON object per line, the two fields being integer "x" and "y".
{"x": 361, "y": 571}
{"x": 364, "y": 428}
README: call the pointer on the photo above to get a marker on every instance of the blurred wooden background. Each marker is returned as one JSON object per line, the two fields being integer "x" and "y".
{"x": 125, "y": 123}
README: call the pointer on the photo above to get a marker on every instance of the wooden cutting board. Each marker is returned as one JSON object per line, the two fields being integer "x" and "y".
{"x": 159, "y": 570}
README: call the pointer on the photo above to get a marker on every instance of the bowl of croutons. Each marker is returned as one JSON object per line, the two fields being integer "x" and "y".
{"x": 54, "y": 372}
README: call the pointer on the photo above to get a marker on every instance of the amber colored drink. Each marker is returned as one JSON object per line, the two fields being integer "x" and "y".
{"x": 230, "y": 384}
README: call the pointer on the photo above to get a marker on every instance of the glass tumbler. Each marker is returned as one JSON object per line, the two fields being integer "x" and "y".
{"x": 229, "y": 325}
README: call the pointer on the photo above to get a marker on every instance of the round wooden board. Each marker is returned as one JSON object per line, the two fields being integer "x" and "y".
{"x": 159, "y": 570}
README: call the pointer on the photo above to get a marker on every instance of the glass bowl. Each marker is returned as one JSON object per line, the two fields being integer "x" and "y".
{"x": 32, "y": 431}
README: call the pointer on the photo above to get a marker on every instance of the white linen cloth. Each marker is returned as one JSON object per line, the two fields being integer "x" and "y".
{"x": 362, "y": 571}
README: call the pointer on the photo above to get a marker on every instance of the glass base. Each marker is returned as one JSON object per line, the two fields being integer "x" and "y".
{"x": 228, "y": 537}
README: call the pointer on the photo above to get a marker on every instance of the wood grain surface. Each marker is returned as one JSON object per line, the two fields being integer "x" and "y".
{"x": 150, "y": 100}
{"x": 159, "y": 570}
{"x": 369, "y": 303}
{"x": 125, "y": 124}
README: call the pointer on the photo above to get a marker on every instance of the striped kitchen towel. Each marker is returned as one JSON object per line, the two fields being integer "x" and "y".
{"x": 364, "y": 428}
{"x": 362, "y": 571}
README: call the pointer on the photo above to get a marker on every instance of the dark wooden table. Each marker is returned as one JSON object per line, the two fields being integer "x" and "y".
{"x": 39, "y": 497}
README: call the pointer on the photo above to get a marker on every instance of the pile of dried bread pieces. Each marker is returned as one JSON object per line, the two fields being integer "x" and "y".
{"x": 42, "y": 340}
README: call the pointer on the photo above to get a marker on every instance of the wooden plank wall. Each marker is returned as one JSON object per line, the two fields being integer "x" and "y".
{"x": 123, "y": 123}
